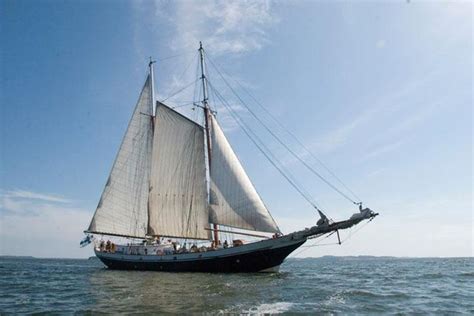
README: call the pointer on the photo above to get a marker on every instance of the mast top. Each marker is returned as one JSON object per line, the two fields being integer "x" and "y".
{"x": 151, "y": 62}
{"x": 152, "y": 83}
{"x": 203, "y": 78}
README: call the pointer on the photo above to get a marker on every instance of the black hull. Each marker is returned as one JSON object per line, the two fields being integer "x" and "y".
{"x": 253, "y": 261}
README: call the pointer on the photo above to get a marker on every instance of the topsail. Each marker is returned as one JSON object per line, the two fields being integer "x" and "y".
{"x": 122, "y": 209}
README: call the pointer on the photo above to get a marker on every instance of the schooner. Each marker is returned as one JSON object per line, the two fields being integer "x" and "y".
{"x": 174, "y": 179}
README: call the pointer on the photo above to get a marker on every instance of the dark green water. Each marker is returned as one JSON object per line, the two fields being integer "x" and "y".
{"x": 325, "y": 285}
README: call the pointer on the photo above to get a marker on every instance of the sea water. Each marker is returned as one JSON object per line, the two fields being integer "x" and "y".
{"x": 328, "y": 285}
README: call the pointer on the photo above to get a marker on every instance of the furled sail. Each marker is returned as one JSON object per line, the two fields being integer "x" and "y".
{"x": 178, "y": 204}
{"x": 122, "y": 209}
{"x": 233, "y": 198}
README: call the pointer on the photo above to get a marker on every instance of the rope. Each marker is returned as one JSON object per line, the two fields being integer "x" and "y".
{"x": 196, "y": 88}
{"x": 310, "y": 153}
{"x": 352, "y": 233}
{"x": 182, "y": 105}
{"x": 318, "y": 244}
{"x": 207, "y": 78}
{"x": 314, "y": 244}
{"x": 264, "y": 150}
{"x": 173, "y": 56}
{"x": 181, "y": 77}
{"x": 180, "y": 90}
{"x": 186, "y": 68}
{"x": 282, "y": 143}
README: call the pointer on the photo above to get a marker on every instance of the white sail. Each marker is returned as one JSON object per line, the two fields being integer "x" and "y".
{"x": 178, "y": 195}
{"x": 122, "y": 209}
{"x": 233, "y": 198}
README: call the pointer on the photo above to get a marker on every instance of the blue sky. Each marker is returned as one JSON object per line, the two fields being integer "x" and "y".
{"x": 380, "y": 91}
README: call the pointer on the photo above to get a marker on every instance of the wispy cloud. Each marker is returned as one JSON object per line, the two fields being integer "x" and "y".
{"x": 339, "y": 136}
{"x": 24, "y": 194}
{"x": 226, "y": 27}
{"x": 382, "y": 149}
{"x": 413, "y": 118}
{"x": 227, "y": 120}
{"x": 382, "y": 107}
{"x": 230, "y": 28}
{"x": 48, "y": 219}
{"x": 380, "y": 44}
{"x": 396, "y": 135}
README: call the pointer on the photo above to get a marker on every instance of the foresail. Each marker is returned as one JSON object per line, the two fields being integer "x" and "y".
{"x": 178, "y": 195}
{"x": 122, "y": 209}
{"x": 233, "y": 198}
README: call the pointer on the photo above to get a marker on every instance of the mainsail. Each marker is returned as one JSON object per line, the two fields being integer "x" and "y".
{"x": 234, "y": 200}
{"x": 178, "y": 195}
{"x": 122, "y": 209}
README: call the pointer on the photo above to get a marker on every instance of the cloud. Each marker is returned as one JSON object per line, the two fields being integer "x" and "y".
{"x": 226, "y": 27}
{"x": 397, "y": 100}
{"x": 396, "y": 135}
{"x": 23, "y": 194}
{"x": 230, "y": 28}
{"x": 339, "y": 136}
{"x": 412, "y": 119}
{"x": 40, "y": 224}
{"x": 226, "y": 120}
{"x": 379, "y": 150}
{"x": 380, "y": 44}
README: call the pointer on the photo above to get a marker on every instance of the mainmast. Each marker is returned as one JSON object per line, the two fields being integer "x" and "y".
{"x": 207, "y": 114}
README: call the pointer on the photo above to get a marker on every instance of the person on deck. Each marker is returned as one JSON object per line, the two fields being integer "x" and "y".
{"x": 226, "y": 244}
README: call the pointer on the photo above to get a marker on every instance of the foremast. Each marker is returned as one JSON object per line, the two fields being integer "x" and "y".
{"x": 207, "y": 113}
{"x": 152, "y": 87}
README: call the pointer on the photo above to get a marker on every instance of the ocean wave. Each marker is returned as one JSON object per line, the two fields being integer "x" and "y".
{"x": 269, "y": 308}
{"x": 305, "y": 286}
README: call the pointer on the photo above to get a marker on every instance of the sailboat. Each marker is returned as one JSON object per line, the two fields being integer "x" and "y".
{"x": 174, "y": 180}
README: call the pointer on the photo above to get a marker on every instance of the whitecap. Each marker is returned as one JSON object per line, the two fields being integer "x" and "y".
{"x": 272, "y": 308}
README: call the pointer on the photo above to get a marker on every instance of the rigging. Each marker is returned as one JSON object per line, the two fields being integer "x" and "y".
{"x": 265, "y": 151}
{"x": 309, "y": 167}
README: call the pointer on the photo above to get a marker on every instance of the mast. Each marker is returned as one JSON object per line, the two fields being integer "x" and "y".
{"x": 153, "y": 121}
{"x": 207, "y": 113}
{"x": 152, "y": 84}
